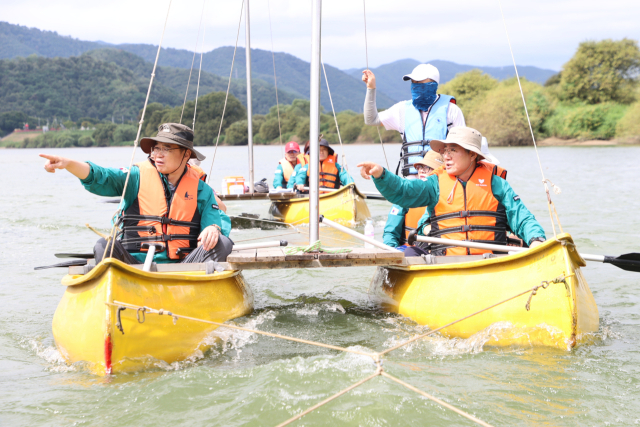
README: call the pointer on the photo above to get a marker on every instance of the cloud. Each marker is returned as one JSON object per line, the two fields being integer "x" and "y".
{"x": 544, "y": 33}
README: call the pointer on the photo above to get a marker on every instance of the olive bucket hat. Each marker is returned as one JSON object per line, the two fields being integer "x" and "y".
{"x": 172, "y": 133}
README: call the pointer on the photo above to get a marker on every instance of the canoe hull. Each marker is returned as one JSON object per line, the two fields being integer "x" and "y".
{"x": 562, "y": 316}
{"x": 85, "y": 329}
{"x": 346, "y": 206}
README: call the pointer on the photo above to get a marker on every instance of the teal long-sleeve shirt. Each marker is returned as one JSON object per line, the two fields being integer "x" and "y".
{"x": 416, "y": 193}
{"x": 394, "y": 227}
{"x": 301, "y": 175}
{"x": 278, "y": 179}
{"x": 109, "y": 182}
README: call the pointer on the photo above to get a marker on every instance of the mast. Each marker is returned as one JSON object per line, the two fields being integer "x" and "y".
{"x": 249, "y": 109}
{"x": 314, "y": 125}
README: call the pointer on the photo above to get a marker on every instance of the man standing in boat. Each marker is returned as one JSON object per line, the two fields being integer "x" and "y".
{"x": 165, "y": 202}
{"x": 284, "y": 171}
{"x": 426, "y": 116}
{"x": 465, "y": 199}
{"x": 332, "y": 175}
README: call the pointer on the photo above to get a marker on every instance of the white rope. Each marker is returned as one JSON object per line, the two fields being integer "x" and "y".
{"x": 275, "y": 80}
{"x": 224, "y": 108}
{"x": 524, "y": 102}
{"x": 137, "y": 140}
{"x": 195, "y": 107}
{"x": 366, "y": 51}
{"x": 335, "y": 118}
{"x": 195, "y": 49}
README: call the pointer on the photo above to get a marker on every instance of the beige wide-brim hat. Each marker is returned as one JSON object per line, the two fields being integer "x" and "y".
{"x": 172, "y": 133}
{"x": 433, "y": 159}
{"x": 465, "y": 137}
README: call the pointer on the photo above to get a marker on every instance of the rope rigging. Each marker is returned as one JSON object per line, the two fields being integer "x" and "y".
{"x": 275, "y": 80}
{"x": 195, "y": 49}
{"x": 335, "y": 118}
{"x": 366, "y": 51}
{"x": 550, "y": 204}
{"x": 226, "y": 98}
{"x": 377, "y": 357}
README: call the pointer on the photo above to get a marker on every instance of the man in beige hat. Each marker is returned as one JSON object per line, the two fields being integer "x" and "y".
{"x": 465, "y": 200}
{"x": 426, "y": 116}
{"x": 401, "y": 221}
{"x": 165, "y": 204}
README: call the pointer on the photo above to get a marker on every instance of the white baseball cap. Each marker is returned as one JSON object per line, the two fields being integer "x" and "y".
{"x": 422, "y": 72}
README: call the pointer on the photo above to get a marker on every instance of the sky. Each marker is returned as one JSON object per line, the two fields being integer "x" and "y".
{"x": 543, "y": 33}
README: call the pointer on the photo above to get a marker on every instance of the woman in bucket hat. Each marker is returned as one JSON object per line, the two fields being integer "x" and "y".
{"x": 426, "y": 116}
{"x": 165, "y": 203}
{"x": 465, "y": 200}
{"x": 400, "y": 220}
{"x": 332, "y": 175}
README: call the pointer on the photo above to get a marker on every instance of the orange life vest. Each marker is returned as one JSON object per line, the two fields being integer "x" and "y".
{"x": 470, "y": 212}
{"x": 495, "y": 169}
{"x": 199, "y": 171}
{"x": 328, "y": 172}
{"x": 173, "y": 221}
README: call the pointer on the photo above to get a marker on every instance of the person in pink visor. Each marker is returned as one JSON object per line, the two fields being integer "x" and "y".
{"x": 287, "y": 165}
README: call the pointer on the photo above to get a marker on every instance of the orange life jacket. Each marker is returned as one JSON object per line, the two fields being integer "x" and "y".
{"x": 200, "y": 171}
{"x": 287, "y": 167}
{"x": 470, "y": 212}
{"x": 328, "y": 172}
{"x": 412, "y": 217}
{"x": 495, "y": 169}
{"x": 155, "y": 216}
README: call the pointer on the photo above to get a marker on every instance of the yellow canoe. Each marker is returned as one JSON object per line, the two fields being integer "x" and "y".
{"x": 345, "y": 205}
{"x": 85, "y": 327}
{"x": 562, "y": 315}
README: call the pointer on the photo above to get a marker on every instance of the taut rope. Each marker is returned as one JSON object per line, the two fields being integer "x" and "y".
{"x": 335, "y": 118}
{"x": 366, "y": 52}
{"x": 533, "y": 138}
{"x": 137, "y": 140}
{"x": 226, "y": 98}
{"x": 195, "y": 49}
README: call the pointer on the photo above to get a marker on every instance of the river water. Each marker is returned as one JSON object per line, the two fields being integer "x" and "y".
{"x": 251, "y": 380}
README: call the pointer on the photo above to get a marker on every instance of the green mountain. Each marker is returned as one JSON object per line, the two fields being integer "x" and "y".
{"x": 389, "y": 76}
{"x": 292, "y": 72}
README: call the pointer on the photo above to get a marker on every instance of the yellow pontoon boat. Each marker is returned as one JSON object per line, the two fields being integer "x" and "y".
{"x": 346, "y": 205}
{"x": 88, "y": 328}
{"x": 449, "y": 288}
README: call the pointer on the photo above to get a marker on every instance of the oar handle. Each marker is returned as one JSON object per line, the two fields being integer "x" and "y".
{"x": 272, "y": 244}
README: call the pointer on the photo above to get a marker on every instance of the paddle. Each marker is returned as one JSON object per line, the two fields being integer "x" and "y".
{"x": 71, "y": 263}
{"x": 110, "y": 201}
{"x": 629, "y": 262}
{"x": 84, "y": 256}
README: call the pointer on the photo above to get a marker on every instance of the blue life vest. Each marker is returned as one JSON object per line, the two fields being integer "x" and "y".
{"x": 417, "y": 136}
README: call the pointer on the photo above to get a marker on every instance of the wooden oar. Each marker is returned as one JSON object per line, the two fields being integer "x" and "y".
{"x": 629, "y": 262}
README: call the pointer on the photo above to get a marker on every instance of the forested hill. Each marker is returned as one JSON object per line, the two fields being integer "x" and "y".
{"x": 108, "y": 83}
{"x": 292, "y": 72}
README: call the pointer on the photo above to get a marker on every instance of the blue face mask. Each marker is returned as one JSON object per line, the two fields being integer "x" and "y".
{"x": 424, "y": 94}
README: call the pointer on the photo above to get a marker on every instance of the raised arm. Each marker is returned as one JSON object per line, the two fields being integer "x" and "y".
{"x": 370, "y": 110}
{"x": 79, "y": 169}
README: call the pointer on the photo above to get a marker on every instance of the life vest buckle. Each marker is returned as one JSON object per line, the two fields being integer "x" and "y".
{"x": 165, "y": 220}
{"x": 464, "y": 214}
{"x": 466, "y": 228}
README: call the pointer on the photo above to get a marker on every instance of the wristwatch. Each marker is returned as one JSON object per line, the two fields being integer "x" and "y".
{"x": 537, "y": 239}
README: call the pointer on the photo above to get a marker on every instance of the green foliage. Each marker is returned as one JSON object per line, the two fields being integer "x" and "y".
{"x": 629, "y": 124}
{"x": 500, "y": 114}
{"x": 604, "y": 71}
{"x": 237, "y": 133}
{"x": 585, "y": 121}
{"x": 103, "y": 134}
{"x": 468, "y": 86}
{"x": 124, "y": 133}
{"x": 15, "y": 120}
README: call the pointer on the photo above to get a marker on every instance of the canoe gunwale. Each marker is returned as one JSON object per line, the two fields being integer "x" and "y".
{"x": 348, "y": 187}
{"x": 102, "y": 267}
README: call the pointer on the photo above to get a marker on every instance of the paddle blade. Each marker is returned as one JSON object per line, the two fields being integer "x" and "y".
{"x": 84, "y": 256}
{"x": 629, "y": 262}
{"x": 71, "y": 263}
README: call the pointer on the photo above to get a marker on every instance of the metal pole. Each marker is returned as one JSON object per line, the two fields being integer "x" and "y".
{"x": 314, "y": 118}
{"x": 249, "y": 109}
{"x": 355, "y": 234}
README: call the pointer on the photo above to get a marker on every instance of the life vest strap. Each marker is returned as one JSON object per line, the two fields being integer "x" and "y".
{"x": 437, "y": 247}
{"x": 158, "y": 238}
{"x": 467, "y": 214}
{"x": 466, "y": 229}
{"x": 161, "y": 219}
